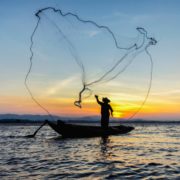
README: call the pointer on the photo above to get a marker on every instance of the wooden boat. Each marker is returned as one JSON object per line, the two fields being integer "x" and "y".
{"x": 73, "y": 131}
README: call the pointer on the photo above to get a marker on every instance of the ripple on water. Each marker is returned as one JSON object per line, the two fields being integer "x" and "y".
{"x": 149, "y": 154}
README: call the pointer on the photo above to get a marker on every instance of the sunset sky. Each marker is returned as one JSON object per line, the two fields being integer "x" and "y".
{"x": 56, "y": 80}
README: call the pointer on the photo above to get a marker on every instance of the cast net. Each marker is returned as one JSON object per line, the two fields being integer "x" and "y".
{"x": 72, "y": 59}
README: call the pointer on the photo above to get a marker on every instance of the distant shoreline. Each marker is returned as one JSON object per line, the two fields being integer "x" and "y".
{"x": 39, "y": 122}
{"x": 36, "y": 118}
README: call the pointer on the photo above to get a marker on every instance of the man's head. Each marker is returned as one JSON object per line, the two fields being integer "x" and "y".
{"x": 106, "y": 100}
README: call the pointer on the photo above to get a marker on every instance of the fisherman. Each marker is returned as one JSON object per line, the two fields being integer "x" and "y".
{"x": 106, "y": 109}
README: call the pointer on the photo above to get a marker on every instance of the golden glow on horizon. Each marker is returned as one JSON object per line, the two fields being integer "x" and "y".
{"x": 65, "y": 107}
{"x": 117, "y": 114}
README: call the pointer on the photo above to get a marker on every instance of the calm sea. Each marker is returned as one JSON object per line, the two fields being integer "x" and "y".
{"x": 148, "y": 152}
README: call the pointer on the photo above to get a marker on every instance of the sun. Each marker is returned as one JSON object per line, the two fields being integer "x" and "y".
{"x": 117, "y": 114}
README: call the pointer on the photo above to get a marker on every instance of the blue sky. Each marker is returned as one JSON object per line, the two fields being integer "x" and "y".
{"x": 159, "y": 17}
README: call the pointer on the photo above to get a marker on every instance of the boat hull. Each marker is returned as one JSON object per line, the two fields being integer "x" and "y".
{"x": 79, "y": 131}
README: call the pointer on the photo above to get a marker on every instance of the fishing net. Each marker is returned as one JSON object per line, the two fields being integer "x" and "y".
{"x": 72, "y": 59}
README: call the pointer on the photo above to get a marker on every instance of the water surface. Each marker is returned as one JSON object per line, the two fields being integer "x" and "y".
{"x": 148, "y": 152}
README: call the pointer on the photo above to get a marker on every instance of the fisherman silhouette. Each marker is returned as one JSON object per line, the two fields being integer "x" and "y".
{"x": 106, "y": 109}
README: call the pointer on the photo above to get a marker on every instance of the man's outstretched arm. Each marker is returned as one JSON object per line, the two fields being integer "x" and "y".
{"x": 97, "y": 99}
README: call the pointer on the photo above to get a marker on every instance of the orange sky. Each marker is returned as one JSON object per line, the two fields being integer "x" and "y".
{"x": 154, "y": 109}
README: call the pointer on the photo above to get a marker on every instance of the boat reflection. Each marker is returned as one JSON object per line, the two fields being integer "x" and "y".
{"x": 105, "y": 147}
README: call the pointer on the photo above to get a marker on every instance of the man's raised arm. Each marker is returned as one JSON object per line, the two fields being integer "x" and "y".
{"x": 97, "y": 99}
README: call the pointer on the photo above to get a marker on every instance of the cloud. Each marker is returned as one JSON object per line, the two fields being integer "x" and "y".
{"x": 142, "y": 18}
{"x": 171, "y": 92}
{"x": 133, "y": 18}
{"x": 61, "y": 84}
{"x": 93, "y": 33}
{"x": 120, "y": 15}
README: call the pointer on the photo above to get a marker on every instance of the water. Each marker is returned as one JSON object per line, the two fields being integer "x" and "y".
{"x": 148, "y": 152}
